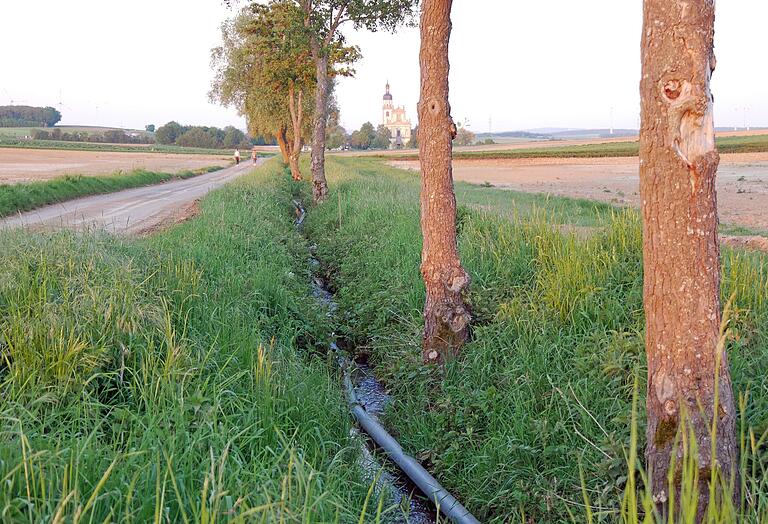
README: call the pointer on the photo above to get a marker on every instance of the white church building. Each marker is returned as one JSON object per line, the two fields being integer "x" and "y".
{"x": 395, "y": 119}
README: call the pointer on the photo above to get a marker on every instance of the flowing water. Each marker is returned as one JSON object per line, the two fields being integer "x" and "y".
{"x": 403, "y": 502}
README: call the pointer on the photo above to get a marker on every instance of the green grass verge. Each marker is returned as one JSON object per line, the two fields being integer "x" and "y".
{"x": 171, "y": 379}
{"x": 546, "y": 384}
{"x": 729, "y": 144}
{"x": 16, "y": 198}
{"x": 11, "y": 142}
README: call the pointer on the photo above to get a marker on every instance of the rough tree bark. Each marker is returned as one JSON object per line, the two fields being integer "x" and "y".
{"x": 282, "y": 141}
{"x": 678, "y": 165}
{"x": 446, "y": 318}
{"x": 319, "y": 183}
{"x": 296, "y": 109}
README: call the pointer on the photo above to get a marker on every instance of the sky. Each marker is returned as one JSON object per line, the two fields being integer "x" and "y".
{"x": 514, "y": 65}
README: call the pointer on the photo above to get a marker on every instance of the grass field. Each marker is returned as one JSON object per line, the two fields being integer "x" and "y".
{"x": 172, "y": 379}
{"x": 19, "y": 132}
{"x": 183, "y": 377}
{"x": 545, "y": 386}
{"x": 727, "y": 144}
{"x": 16, "y": 198}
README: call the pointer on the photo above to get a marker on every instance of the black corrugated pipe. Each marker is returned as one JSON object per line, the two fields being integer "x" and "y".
{"x": 438, "y": 495}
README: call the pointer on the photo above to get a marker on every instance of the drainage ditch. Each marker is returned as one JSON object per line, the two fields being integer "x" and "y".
{"x": 408, "y": 486}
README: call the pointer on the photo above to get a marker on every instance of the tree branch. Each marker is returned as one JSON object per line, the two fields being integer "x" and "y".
{"x": 336, "y": 21}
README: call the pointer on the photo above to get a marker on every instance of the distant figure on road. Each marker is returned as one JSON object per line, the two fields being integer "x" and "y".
{"x": 237, "y": 156}
{"x": 254, "y": 156}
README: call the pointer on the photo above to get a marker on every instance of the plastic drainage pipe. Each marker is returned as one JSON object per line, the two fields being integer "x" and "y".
{"x": 438, "y": 495}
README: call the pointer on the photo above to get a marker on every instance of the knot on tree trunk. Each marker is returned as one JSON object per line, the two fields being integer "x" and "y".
{"x": 446, "y": 318}
{"x": 319, "y": 191}
{"x": 446, "y": 329}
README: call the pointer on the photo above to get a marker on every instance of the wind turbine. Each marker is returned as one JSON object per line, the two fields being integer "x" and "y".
{"x": 61, "y": 102}
{"x": 13, "y": 102}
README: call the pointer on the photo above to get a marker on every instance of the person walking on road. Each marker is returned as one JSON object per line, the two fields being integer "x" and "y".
{"x": 237, "y": 156}
{"x": 254, "y": 156}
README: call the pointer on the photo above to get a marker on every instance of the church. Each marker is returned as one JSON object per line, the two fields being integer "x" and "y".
{"x": 395, "y": 119}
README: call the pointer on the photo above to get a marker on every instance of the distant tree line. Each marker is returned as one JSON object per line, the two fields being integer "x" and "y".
{"x": 230, "y": 137}
{"x": 28, "y": 116}
{"x": 112, "y": 136}
{"x": 368, "y": 137}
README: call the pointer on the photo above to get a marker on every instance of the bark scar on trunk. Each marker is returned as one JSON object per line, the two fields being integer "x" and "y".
{"x": 690, "y": 127}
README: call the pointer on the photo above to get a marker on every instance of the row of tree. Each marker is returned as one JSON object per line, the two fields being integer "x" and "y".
{"x": 174, "y": 133}
{"x": 265, "y": 69}
{"x": 28, "y": 116}
{"x": 278, "y": 63}
{"x": 369, "y": 137}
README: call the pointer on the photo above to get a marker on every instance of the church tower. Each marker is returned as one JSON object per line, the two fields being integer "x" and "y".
{"x": 395, "y": 119}
{"x": 387, "y": 109}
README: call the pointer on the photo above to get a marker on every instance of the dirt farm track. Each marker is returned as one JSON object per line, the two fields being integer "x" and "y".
{"x": 26, "y": 165}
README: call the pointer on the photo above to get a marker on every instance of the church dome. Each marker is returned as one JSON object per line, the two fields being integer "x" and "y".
{"x": 387, "y": 96}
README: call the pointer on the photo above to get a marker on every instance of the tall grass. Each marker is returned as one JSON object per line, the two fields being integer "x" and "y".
{"x": 171, "y": 379}
{"x": 545, "y": 388}
{"x": 26, "y": 196}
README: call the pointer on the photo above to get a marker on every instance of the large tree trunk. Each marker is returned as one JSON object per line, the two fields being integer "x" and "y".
{"x": 446, "y": 318}
{"x": 319, "y": 183}
{"x": 282, "y": 141}
{"x": 296, "y": 109}
{"x": 678, "y": 165}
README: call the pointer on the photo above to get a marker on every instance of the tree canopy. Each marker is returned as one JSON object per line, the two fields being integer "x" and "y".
{"x": 28, "y": 116}
{"x": 263, "y": 69}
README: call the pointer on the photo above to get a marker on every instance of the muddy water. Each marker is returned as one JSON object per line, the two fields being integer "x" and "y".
{"x": 403, "y": 502}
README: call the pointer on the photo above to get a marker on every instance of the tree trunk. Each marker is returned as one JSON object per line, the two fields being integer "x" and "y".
{"x": 319, "y": 183}
{"x": 282, "y": 141}
{"x": 296, "y": 109}
{"x": 678, "y": 165}
{"x": 446, "y": 318}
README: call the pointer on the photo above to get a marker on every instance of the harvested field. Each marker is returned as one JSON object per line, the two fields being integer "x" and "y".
{"x": 27, "y": 165}
{"x": 742, "y": 181}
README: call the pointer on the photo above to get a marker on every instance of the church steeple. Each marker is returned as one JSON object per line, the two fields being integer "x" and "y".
{"x": 387, "y": 96}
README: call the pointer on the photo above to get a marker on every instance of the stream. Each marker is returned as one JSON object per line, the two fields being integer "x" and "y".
{"x": 411, "y": 505}
{"x": 404, "y": 502}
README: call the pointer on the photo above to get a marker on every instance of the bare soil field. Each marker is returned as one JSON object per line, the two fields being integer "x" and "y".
{"x": 742, "y": 181}
{"x": 27, "y": 165}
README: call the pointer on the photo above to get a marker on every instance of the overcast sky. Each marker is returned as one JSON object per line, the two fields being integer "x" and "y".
{"x": 550, "y": 63}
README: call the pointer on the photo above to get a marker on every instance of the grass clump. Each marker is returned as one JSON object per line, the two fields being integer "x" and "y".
{"x": 545, "y": 387}
{"x": 15, "y": 198}
{"x": 170, "y": 379}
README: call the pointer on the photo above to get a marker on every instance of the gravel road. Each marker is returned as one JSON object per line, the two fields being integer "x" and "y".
{"x": 129, "y": 212}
